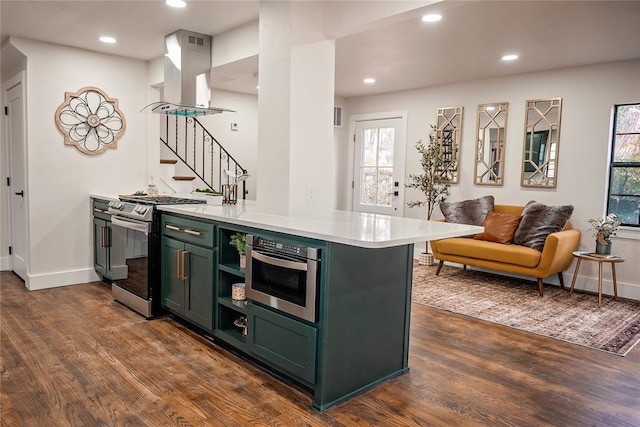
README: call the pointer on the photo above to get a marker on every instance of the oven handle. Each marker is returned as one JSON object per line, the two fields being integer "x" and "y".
{"x": 301, "y": 266}
{"x": 131, "y": 224}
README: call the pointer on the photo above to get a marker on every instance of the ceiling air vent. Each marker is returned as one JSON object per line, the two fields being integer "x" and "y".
{"x": 337, "y": 117}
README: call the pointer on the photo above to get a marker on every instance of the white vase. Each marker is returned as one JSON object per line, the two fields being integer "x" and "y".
{"x": 243, "y": 262}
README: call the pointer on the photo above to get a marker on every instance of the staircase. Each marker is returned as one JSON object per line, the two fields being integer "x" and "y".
{"x": 201, "y": 159}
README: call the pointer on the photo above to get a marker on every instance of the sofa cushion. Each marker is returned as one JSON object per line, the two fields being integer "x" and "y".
{"x": 491, "y": 251}
{"x": 499, "y": 228}
{"x": 467, "y": 211}
{"x": 538, "y": 221}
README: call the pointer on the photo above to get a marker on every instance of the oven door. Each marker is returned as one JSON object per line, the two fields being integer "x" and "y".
{"x": 136, "y": 238}
{"x": 284, "y": 283}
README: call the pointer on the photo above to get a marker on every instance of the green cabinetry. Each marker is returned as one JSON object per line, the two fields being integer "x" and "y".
{"x": 108, "y": 246}
{"x": 230, "y": 312}
{"x": 284, "y": 343}
{"x": 187, "y": 269}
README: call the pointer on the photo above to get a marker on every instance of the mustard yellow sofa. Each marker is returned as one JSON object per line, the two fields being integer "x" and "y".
{"x": 555, "y": 257}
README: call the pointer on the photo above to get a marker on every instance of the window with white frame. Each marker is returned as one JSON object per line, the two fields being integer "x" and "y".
{"x": 624, "y": 165}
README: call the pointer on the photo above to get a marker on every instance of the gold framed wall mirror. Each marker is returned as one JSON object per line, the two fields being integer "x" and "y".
{"x": 448, "y": 134}
{"x": 541, "y": 143}
{"x": 491, "y": 138}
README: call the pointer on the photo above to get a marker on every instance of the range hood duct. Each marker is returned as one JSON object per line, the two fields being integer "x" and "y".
{"x": 187, "y": 64}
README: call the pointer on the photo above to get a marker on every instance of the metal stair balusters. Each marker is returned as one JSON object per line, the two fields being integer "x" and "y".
{"x": 194, "y": 145}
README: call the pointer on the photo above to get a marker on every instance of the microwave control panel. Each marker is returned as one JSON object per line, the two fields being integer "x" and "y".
{"x": 288, "y": 248}
{"x": 285, "y": 248}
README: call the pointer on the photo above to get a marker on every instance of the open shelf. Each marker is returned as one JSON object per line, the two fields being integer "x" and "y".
{"x": 232, "y": 268}
{"x": 226, "y": 329}
{"x": 239, "y": 306}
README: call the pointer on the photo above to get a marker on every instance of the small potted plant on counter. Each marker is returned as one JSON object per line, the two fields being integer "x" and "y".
{"x": 211, "y": 196}
{"x": 239, "y": 241}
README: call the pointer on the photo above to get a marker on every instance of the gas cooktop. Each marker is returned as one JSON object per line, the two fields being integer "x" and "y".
{"x": 160, "y": 200}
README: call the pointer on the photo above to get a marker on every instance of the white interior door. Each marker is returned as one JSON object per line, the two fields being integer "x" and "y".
{"x": 378, "y": 172}
{"x": 16, "y": 137}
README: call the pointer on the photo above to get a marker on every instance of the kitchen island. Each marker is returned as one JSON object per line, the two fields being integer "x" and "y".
{"x": 360, "y": 336}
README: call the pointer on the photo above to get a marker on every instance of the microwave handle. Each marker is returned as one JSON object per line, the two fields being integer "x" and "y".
{"x": 302, "y": 266}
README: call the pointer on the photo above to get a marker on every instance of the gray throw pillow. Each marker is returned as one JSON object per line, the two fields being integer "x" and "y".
{"x": 538, "y": 221}
{"x": 471, "y": 212}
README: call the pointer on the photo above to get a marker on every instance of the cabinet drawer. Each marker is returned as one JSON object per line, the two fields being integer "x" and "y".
{"x": 188, "y": 230}
{"x": 284, "y": 343}
{"x": 99, "y": 209}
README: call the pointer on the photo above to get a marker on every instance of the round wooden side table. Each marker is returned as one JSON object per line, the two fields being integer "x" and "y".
{"x": 600, "y": 259}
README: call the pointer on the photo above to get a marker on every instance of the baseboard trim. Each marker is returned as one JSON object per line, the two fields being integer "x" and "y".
{"x": 4, "y": 263}
{"x": 61, "y": 278}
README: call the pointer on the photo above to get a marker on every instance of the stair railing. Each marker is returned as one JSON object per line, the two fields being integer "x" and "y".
{"x": 201, "y": 152}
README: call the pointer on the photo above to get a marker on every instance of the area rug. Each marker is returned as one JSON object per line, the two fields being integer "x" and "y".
{"x": 614, "y": 327}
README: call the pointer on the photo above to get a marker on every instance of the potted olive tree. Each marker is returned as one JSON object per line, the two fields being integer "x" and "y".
{"x": 239, "y": 241}
{"x": 430, "y": 181}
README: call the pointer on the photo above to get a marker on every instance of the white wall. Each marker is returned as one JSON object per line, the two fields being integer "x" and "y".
{"x": 243, "y": 143}
{"x": 588, "y": 95}
{"x": 236, "y": 44}
{"x": 340, "y": 157}
{"x": 60, "y": 177}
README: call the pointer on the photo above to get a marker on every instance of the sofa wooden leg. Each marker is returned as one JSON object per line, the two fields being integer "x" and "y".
{"x": 540, "y": 286}
{"x": 464, "y": 266}
{"x": 561, "y": 280}
{"x": 440, "y": 264}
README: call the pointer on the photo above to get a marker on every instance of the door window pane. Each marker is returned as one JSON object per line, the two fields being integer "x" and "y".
{"x": 376, "y": 171}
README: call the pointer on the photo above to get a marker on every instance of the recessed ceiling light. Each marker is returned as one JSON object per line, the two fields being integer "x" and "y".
{"x": 176, "y": 3}
{"x": 510, "y": 57}
{"x": 107, "y": 39}
{"x": 432, "y": 17}
{"x": 369, "y": 80}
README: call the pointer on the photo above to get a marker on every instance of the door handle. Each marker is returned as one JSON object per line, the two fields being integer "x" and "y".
{"x": 179, "y": 266}
{"x": 184, "y": 274}
{"x": 102, "y": 239}
{"x": 20, "y": 193}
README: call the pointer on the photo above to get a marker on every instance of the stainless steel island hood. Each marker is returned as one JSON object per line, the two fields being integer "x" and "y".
{"x": 187, "y": 63}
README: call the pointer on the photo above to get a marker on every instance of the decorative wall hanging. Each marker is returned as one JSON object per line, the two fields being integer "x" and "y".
{"x": 90, "y": 120}
{"x": 491, "y": 139}
{"x": 541, "y": 143}
{"x": 448, "y": 135}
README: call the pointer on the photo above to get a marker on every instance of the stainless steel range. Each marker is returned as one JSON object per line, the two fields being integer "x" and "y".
{"x": 138, "y": 222}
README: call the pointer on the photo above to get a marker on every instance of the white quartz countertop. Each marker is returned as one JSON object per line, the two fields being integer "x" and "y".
{"x": 350, "y": 228}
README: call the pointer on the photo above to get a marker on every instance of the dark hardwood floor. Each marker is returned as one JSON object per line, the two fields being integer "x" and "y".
{"x": 73, "y": 357}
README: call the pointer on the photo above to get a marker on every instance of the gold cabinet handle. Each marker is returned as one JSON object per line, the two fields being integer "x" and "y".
{"x": 172, "y": 227}
{"x": 179, "y": 266}
{"x": 102, "y": 236}
{"x": 192, "y": 232}
{"x": 184, "y": 273}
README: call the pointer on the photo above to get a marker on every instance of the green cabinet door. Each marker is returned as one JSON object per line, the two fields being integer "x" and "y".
{"x": 284, "y": 343}
{"x": 100, "y": 249}
{"x": 199, "y": 285}
{"x": 172, "y": 284}
{"x": 187, "y": 281}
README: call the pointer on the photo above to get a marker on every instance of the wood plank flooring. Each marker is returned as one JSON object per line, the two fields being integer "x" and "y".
{"x": 73, "y": 357}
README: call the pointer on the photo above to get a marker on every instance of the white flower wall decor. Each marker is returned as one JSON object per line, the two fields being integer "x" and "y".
{"x": 90, "y": 120}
